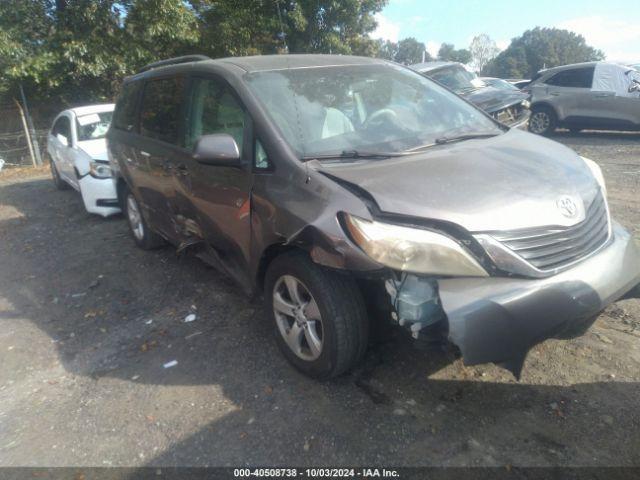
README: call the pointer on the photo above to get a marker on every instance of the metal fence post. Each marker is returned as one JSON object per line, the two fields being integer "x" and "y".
{"x": 34, "y": 139}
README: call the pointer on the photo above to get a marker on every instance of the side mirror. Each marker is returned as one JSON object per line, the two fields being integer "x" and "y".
{"x": 217, "y": 149}
{"x": 63, "y": 140}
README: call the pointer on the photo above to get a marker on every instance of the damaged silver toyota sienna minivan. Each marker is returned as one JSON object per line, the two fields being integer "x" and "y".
{"x": 348, "y": 189}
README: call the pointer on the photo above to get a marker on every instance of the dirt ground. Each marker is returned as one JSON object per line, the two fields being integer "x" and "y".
{"x": 89, "y": 321}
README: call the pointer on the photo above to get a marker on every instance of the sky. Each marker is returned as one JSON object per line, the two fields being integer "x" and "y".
{"x": 612, "y": 25}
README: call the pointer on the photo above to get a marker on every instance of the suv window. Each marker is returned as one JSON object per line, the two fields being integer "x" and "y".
{"x": 124, "y": 116}
{"x": 214, "y": 109}
{"x": 62, "y": 127}
{"x": 575, "y": 78}
{"x": 160, "y": 111}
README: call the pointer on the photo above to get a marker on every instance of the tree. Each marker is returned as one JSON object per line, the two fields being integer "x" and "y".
{"x": 542, "y": 48}
{"x": 387, "y": 49}
{"x": 448, "y": 52}
{"x": 410, "y": 51}
{"x": 77, "y": 51}
{"x": 483, "y": 49}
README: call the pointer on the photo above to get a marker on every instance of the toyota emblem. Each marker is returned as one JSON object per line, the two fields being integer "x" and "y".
{"x": 567, "y": 206}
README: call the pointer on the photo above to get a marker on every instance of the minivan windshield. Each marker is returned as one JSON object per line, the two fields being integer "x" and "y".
{"x": 370, "y": 108}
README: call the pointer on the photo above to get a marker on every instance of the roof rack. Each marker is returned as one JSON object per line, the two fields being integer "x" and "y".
{"x": 175, "y": 61}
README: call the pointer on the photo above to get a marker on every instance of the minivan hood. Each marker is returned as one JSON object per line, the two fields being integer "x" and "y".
{"x": 506, "y": 182}
{"x": 492, "y": 99}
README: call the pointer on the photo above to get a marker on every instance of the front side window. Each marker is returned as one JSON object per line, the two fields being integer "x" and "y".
{"x": 160, "y": 110}
{"x": 62, "y": 127}
{"x": 574, "y": 78}
{"x": 261, "y": 159}
{"x": 124, "y": 116}
{"x": 369, "y": 108}
{"x": 213, "y": 109}
{"x": 93, "y": 126}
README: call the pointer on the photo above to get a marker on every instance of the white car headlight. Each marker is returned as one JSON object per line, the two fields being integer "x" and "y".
{"x": 99, "y": 170}
{"x": 412, "y": 249}
{"x": 597, "y": 173}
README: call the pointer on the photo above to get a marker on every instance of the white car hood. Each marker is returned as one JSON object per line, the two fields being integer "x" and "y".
{"x": 96, "y": 149}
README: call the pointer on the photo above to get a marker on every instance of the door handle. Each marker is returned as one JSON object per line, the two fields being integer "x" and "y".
{"x": 145, "y": 154}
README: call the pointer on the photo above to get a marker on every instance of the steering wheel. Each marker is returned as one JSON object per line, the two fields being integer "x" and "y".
{"x": 378, "y": 114}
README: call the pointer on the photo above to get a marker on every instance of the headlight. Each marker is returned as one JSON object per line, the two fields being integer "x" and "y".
{"x": 597, "y": 173}
{"x": 99, "y": 170}
{"x": 412, "y": 249}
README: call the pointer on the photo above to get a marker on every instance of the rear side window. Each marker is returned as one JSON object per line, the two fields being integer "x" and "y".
{"x": 160, "y": 110}
{"x": 575, "y": 78}
{"x": 124, "y": 116}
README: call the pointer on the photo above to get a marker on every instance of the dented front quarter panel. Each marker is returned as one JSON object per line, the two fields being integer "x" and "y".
{"x": 303, "y": 212}
{"x": 499, "y": 319}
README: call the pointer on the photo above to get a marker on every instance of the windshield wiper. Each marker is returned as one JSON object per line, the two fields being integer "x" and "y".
{"x": 451, "y": 139}
{"x": 352, "y": 154}
{"x": 464, "y": 136}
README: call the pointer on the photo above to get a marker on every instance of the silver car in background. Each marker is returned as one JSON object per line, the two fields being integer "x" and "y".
{"x": 595, "y": 95}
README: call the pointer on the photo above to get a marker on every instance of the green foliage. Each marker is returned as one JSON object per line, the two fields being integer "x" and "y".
{"x": 449, "y": 53}
{"x": 407, "y": 51}
{"x": 79, "y": 50}
{"x": 541, "y": 48}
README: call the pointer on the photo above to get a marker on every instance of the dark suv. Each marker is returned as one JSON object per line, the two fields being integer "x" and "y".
{"x": 347, "y": 189}
{"x": 510, "y": 107}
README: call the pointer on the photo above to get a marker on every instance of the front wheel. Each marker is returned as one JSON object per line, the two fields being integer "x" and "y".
{"x": 319, "y": 316}
{"x": 57, "y": 181}
{"x": 143, "y": 236}
{"x": 543, "y": 121}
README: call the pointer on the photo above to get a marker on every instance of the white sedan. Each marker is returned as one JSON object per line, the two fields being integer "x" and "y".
{"x": 78, "y": 152}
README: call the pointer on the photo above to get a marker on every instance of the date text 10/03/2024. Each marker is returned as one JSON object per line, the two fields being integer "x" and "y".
{"x": 316, "y": 472}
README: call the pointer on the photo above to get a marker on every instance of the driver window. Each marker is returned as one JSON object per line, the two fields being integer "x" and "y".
{"x": 62, "y": 127}
{"x": 214, "y": 109}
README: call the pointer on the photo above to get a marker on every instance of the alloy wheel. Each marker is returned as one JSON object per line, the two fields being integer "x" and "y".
{"x": 135, "y": 218}
{"x": 298, "y": 318}
{"x": 539, "y": 122}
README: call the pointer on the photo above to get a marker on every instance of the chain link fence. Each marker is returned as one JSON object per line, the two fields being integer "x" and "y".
{"x": 14, "y": 145}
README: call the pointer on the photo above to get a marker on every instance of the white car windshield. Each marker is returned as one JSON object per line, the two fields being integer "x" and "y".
{"x": 369, "y": 108}
{"x": 93, "y": 126}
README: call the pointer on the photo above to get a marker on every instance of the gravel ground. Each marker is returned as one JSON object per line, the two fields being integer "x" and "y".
{"x": 89, "y": 322}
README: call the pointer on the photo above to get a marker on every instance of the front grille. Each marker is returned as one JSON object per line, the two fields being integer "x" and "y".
{"x": 509, "y": 115}
{"x": 551, "y": 248}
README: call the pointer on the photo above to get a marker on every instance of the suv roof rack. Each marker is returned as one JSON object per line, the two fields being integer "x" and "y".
{"x": 175, "y": 61}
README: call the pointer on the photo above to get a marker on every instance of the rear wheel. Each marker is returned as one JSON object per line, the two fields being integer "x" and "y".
{"x": 543, "y": 121}
{"x": 143, "y": 236}
{"x": 319, "y": 316}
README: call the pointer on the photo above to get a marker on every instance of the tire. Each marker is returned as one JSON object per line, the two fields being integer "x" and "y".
{"x": 144, "y": 237}
{"x": 543, "y": 120}
{"x": 57, "y": 181}
{"x": 341, "y": 325}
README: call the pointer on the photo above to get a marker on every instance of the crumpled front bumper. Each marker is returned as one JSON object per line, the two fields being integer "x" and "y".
{"x": 499, "y": 319}
{"x": 99, "y": 195}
